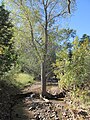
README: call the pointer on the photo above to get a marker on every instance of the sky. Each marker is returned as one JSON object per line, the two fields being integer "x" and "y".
{"x": 80, "y": 20}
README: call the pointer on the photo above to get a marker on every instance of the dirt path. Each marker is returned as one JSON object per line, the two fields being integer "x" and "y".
{"x": 32, "y": 107}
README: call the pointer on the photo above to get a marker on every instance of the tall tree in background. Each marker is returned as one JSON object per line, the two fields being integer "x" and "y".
{"x": 42, "y": 18}
{"x": 7, "y": 53}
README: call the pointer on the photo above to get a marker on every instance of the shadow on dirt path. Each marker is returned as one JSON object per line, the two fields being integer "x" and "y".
{"x": 27, "y": 104}
{"x": 31, "y": 106}
{"x": 7, "y": 101}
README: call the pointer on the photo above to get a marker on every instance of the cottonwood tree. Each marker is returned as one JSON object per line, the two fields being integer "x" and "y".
{"x": 42, "y": 17}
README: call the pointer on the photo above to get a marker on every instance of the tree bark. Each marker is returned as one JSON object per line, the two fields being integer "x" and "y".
{"x": 43, "y": 64}
{"x": 43, "y": 79}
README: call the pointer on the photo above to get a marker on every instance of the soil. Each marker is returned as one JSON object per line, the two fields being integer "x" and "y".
{"x": 28, "y": 104}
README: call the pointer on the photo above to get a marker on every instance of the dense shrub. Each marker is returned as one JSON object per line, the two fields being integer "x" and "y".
{"x": 75, "y": 73}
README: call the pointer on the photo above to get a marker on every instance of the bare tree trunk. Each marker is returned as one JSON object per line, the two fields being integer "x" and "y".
{"x": 43, "y": 64}
{"x": 43, "y": 79}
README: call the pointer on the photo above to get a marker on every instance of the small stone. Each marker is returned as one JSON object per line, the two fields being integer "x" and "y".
{"x": 84, "y": 113}
{"x": 56, "y": 112}
{"x": 64, "y": 114}
{"x": 38, "y": 113}
{"x": 58, "y": 105}
{"x": 48, "y": 111}
{"x": 36, "y": 107}
{"x": 30, "y": 108}
{"x": 52, "y": 116}
{"x": 56, "y": 118}
{"x": 45, "y": 110}
{"x": 32, "y": 95}
{"x": 44, "y": 118}
{"x": 37, "y": 117}
{"x": 52, "y": 110}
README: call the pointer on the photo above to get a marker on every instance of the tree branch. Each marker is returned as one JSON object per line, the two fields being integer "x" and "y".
{"x": 52, "y": 8}
{"x": 59, "y": 14}
{"x": 31, "y": 28}
{"x": 69, "y": 2}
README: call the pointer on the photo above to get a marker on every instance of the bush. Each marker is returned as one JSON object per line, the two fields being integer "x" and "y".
{"x": 75, "y": 73}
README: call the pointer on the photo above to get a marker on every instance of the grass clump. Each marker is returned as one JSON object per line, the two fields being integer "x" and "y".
{"x": 23, "y": 79}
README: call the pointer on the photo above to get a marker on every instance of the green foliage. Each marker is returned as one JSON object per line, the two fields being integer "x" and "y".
{"x": 76, "y": 73}
{"x": 18, "y": 79}
{"x": 28, "y": 58}
{"x": 29, "y": 16}
{"x": 23, "y": 79}
{"x": 7, "y": 53}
